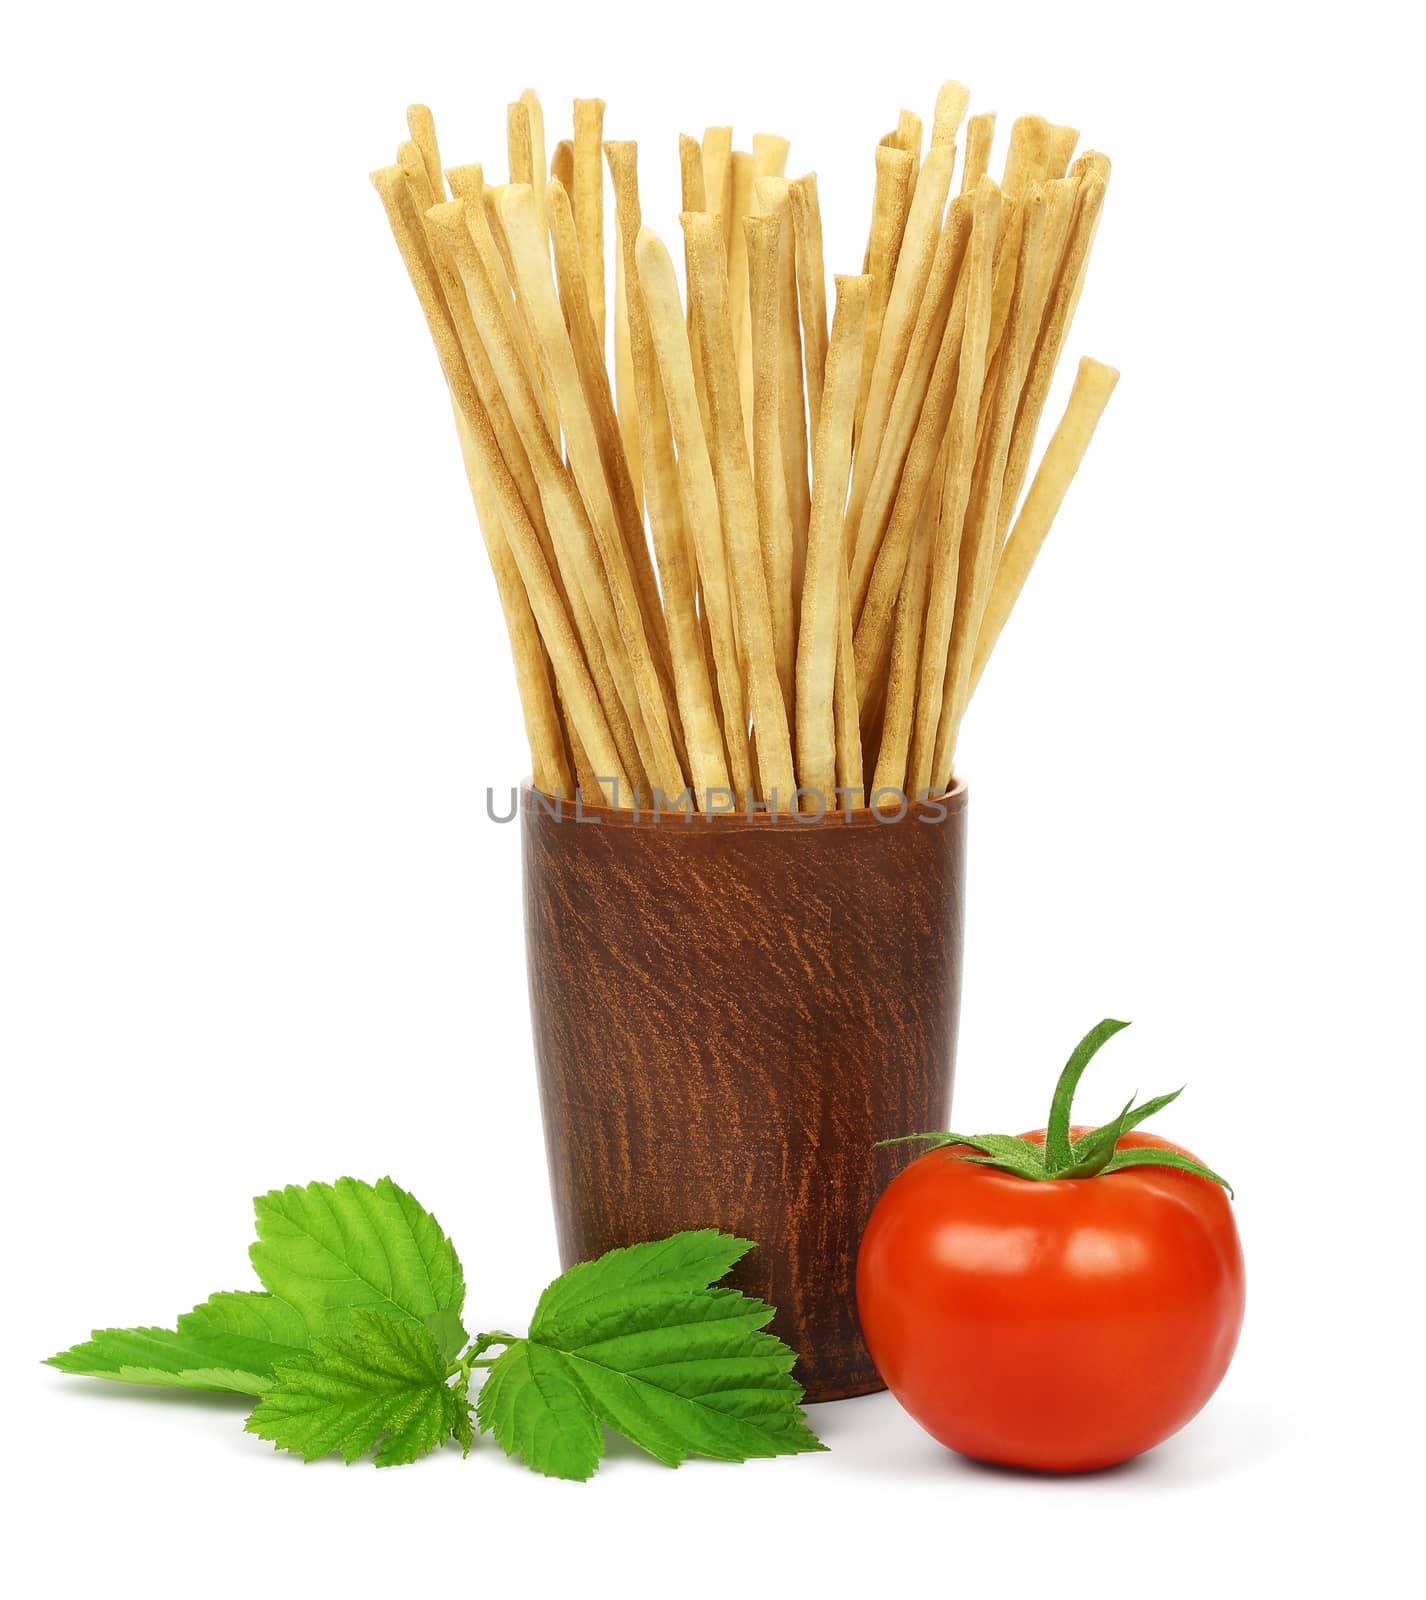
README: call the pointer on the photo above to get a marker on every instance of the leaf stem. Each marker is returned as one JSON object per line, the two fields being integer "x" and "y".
{"x": 477, "y": 1348}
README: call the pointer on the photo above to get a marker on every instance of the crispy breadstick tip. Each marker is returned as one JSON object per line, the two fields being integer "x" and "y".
{"x": 423, "y": 130}
{"x": 1028, "y": 159}
{"x": 413, "y": 166}
{"x": 690, "y": 170}
{"x": 1094, "y": 161}
{"x": 770, "y": 155}
{"x": 951, "y": 104}
{"x": 517, "y": 142}
{"x": 1093, "y": 385}
{"x": 534, "y": 112}
{"x": 718, "y": 172}
{"x": 588, "y": 196}
{"x": 980, "y": 135}
{"x": 908, "y": 133}
{"x": 811, "y": 289}
{"x": 1062, "y": 142}
{"x": 562, "y": 165}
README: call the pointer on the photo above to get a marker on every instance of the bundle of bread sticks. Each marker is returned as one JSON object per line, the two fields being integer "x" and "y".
{"x": 764, "y": 562}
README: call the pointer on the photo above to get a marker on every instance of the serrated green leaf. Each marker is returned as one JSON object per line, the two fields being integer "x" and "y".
{"x": 252, "y": 1329}
{"x": 637, "y": 1341}
{"x": 231, "y": 1343}
{"x": 689, "y": 1260}
{"x": 1153, "y": 1156}
{"x": 698, "y": 1380}
{"x": 461, "y": 1426}
{"x": 152, "y": 1356}
{"x": 446, "y": 1329}
{"x": 331, "y": 1249}
{"x": 537, "y": 1409}
{"x": 380, "y": 1386}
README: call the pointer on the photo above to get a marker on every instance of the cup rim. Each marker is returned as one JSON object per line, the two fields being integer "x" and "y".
{"x": 550, "y": 809}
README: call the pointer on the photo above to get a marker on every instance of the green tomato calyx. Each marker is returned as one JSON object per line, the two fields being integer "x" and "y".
{"x": 1092, "y": 1155}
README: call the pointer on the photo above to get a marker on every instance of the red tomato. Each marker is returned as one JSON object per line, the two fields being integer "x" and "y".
{"x": 1061, "y": 1325}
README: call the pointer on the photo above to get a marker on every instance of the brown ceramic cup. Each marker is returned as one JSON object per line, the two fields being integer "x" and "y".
{"x": 728, "y": 1014}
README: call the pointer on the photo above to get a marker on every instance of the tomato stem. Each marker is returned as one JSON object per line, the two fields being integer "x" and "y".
{"x": 1058, "y": 1154}
{"x": 1093, "y": 1155}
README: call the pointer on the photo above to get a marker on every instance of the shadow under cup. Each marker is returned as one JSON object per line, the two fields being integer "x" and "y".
{"x": 728, "y": 1014}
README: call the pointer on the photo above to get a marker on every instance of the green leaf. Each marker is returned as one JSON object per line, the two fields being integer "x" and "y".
{"x": 637, "y": 1341}
{"x": 232, "y": 1343}
{"x": 330, "y": 1249}
{"x": 461, "y": 1424}
{"x": 380, "y": 1386}
{"x": 153, "y": 1356}
{"x": 1057, "y": 1135}
{"x": 534, "y": 1405}
{"x": 577, "y": 1299}
{"x": 1151, "y": 1156}
{"x": 445, "y": 1328}
{"x": 252, "y": 1330}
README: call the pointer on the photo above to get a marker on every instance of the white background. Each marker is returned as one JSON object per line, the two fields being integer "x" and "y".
{"x": 257, "y": 929}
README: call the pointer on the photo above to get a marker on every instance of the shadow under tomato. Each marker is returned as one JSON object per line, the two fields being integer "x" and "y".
{"x": 876, "y": 1434}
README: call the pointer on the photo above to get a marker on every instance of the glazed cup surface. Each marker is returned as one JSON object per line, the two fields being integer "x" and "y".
{"x": 728, "y": 1014}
